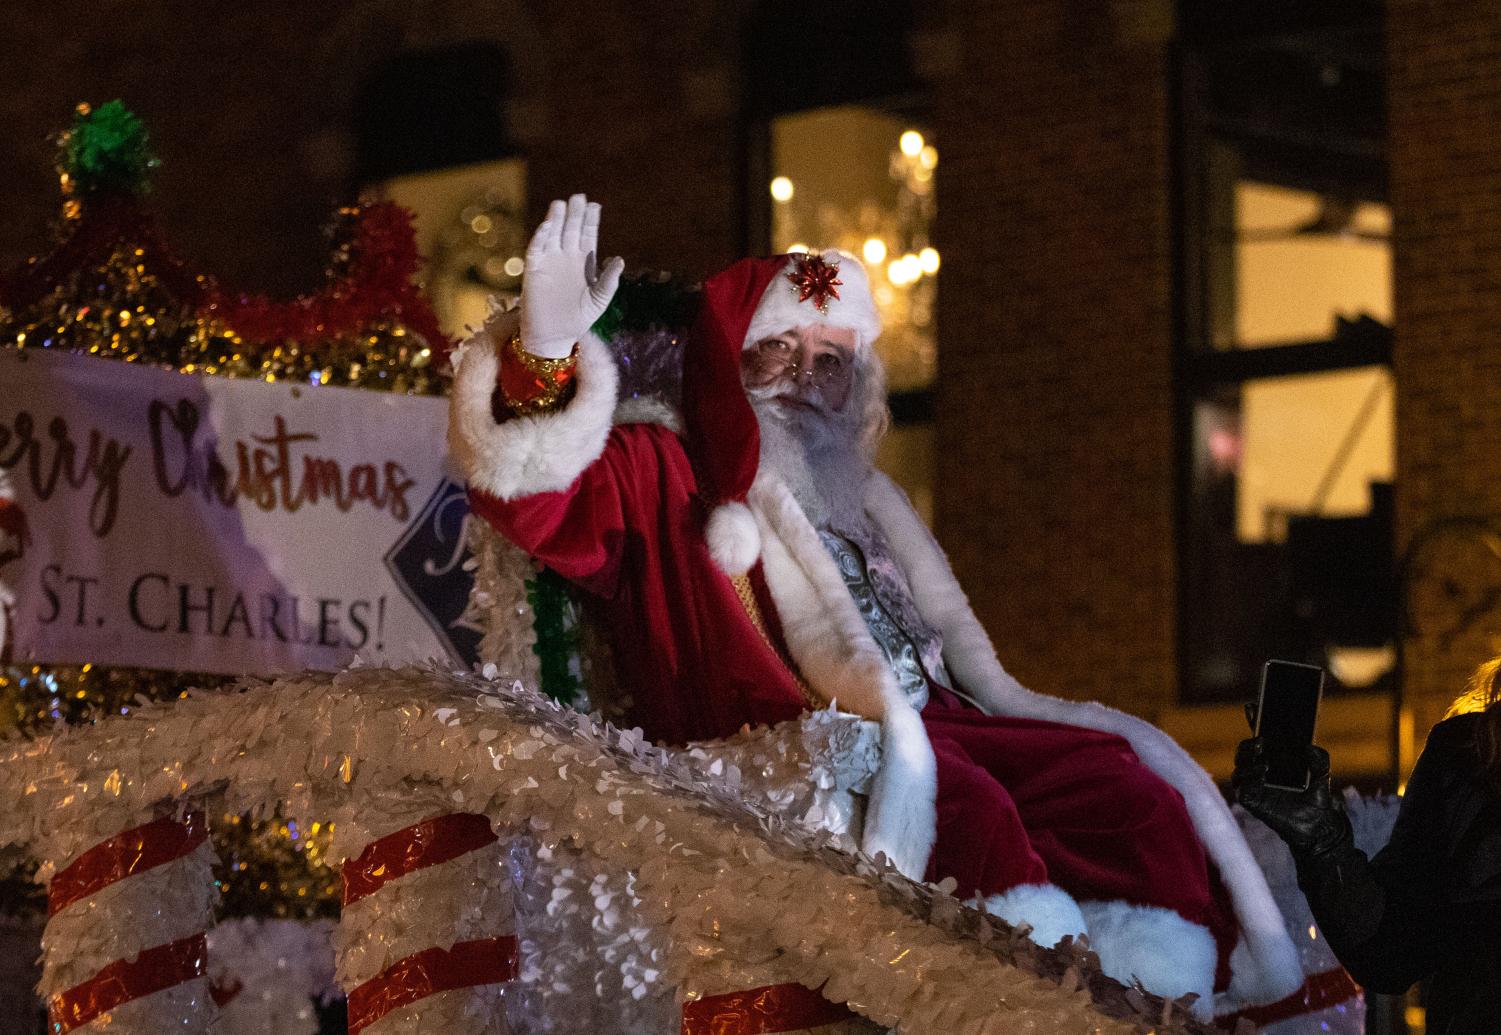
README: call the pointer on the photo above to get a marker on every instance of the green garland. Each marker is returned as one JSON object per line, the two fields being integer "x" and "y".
{"x": 645, "y": 301}
{"x": 557, "y": 632}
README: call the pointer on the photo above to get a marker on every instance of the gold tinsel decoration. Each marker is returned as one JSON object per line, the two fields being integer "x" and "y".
{"x": 112, "y": 288}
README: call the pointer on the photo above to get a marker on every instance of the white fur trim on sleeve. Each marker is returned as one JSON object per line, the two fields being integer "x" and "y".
{"x": 527, "y": 455}
{"x": 901, "y": 820}
{"x": 734, "y": 540}
{"x": 1273, "y": 969}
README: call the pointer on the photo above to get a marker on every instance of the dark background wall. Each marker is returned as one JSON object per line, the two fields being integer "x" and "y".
{"x": 1056, "y": 331}
{"x": 1445, "y": 104}
{"x": 1055, "y": 402}
{"x": 254, "y": 109}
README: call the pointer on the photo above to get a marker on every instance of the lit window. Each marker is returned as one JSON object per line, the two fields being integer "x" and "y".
{"x": 1303, "y": 261}
{"x": 1286, "y": 542}
{"x": 471, "y": 229}
{"x": 862, "y": 179}
{"x": 1288, "y": 539}
{"x": 1303, "y": 445}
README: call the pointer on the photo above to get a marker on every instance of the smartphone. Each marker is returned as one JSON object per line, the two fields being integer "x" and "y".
{"x": 1286, "y": 715}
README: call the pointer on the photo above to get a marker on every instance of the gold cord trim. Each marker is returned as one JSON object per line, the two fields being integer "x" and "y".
{"x": 747, "y": 594}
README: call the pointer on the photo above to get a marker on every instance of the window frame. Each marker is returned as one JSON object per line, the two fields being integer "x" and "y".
{"x": 1198, "y": 367}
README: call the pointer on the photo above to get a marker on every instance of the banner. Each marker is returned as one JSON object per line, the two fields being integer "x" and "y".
{"x": 210, "y": 524}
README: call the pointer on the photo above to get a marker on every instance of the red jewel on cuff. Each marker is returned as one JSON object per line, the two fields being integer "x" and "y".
{"x": 814, "y": 278}
{"x": 521, "y": 385}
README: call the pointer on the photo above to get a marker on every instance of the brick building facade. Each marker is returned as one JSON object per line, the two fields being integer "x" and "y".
{"x": 1445, "y": 98}
{"x": 1058, "y": 422}
{"x": 1055, "y": 399}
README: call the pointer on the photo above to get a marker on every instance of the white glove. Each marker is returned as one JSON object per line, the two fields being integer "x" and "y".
{"x": 564, "y": 293}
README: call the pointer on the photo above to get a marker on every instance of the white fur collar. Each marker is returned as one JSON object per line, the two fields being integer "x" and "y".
{"x": 833, "y": 649}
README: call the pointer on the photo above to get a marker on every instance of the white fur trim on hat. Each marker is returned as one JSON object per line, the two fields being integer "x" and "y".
{"x": 734, "y": 539}
{"x": 1047, "y": 909}
{"x": 1169, "y": 955}
{"x": 779, "y": 309}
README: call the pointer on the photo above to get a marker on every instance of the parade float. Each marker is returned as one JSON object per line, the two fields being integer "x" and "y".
{"x": 427, "y": 821}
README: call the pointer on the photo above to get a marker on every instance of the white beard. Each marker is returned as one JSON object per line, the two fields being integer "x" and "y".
{"x": 818, "y": 455}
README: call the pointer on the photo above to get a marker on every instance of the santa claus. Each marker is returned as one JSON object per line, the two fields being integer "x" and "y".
{"x": 748, "y": 562}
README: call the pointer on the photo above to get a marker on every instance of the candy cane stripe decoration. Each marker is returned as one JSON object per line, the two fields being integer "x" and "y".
{"x": 426, "y": 939}
{"x": 124, "y": 946}
{"x": 129, "y": 852}
{"x": 417, "y": 847}
{"x": 124, "y": 980}
{"x": 763, "y": 1011}
{"x": 484, "y": 961}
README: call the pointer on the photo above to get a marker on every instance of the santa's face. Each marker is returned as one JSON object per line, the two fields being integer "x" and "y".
{"x": 804, "y": 368}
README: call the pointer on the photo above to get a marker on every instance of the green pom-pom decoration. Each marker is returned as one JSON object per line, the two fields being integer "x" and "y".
{"x": 106, "y": 152}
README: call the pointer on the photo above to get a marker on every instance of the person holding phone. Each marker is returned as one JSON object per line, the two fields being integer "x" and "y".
{"x": 1428, "y": 906}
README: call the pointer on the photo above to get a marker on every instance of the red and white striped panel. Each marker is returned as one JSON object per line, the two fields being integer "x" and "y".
{"x": 784, "y": 1009}
{"x": 124, "y": 946}
{"x": 1326, "y": 1003}
{"x": 426, "y": 940}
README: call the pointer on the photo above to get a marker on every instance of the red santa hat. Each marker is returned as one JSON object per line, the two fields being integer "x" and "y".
{"x": 750, "y": 301}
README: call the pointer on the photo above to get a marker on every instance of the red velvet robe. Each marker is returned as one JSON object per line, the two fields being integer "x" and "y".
{"x": 1020, "y": 801}
{"x": 629, "y": 532}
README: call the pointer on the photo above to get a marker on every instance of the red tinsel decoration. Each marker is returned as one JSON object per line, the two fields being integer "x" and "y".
{"x": 373, "y": 280}
{"x": 95, "y": 231}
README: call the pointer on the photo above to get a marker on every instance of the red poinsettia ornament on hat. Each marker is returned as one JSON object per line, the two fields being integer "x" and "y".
{"x": 814, "y": 277}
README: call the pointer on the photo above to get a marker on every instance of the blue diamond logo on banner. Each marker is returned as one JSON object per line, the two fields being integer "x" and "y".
{"x": 427, "y": 562}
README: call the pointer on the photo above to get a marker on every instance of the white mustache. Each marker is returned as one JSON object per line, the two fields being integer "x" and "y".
{"x": 809, "y": 396}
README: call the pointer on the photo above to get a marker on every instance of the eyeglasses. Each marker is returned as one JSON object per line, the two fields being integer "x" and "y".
{"x": 826, "y": 367}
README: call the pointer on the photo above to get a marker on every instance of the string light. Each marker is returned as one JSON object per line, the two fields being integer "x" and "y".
{"x": 782, "y": 189}
{"x": 911, "y": 143}
{"x": 874, "y": 251}
{"x": 905, "y": 270}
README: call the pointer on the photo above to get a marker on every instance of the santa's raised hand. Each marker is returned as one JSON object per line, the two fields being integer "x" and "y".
{"x": 565, "y": 290}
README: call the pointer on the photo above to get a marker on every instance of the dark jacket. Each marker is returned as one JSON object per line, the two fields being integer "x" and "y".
{"x": 1428, "y": 906}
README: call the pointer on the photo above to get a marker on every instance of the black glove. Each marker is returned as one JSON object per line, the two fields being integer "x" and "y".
{"x": 1312, "y": 822}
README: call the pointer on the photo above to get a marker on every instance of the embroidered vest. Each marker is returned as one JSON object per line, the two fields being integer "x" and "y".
{"x": 913, "y": 648}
